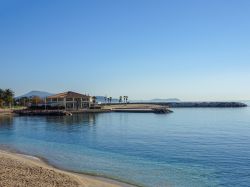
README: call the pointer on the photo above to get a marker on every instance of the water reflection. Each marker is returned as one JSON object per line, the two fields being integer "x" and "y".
{"x": 76, "y": 119}
{"x": 6, "y": 121}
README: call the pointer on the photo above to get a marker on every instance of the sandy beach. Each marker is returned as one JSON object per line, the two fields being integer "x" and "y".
{"x": 27, "y": 171}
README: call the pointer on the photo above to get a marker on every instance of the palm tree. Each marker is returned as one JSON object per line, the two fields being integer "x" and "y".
{"x": 126, "y": 98}
{"x": 120, "y": 99}
{"x": 105, "y": 99}
{"x": 110, "y": 99}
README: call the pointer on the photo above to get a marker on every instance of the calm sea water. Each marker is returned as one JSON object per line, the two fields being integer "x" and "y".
{"x": 190, "y": 147}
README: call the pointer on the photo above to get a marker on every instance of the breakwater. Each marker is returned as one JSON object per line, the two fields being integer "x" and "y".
{"x": 42, "y": 113}
{"x": 198, "y": 104}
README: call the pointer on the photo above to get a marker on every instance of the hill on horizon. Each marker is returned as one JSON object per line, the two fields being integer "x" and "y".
{"x": 33, "y": 93}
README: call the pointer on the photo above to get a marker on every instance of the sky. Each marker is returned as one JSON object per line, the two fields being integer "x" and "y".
{"x": 192, "y": 50}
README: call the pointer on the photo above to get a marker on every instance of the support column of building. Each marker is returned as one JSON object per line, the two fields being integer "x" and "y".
{"x": 65, "y": 104}
{"x": 81, "y": 104}
{"x": 73, "y": 103}
{"x": 57, "y": 103}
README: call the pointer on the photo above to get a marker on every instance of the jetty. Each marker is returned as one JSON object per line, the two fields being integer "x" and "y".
{"x": 162, "y": 110}
{"x": 28, "y": 112}
{"x": 137, "y": 108}
{"x": 43, "y": 113}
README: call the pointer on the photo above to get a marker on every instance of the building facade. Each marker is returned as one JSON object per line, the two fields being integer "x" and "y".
{"x": 70, "y": 100}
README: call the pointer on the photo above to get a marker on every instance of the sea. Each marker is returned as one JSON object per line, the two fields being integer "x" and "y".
{"x": 191, "y": 147}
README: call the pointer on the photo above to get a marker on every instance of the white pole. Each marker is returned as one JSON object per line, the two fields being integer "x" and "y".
{"x": 45, "y": 103}
{"x": 64, "y": 99}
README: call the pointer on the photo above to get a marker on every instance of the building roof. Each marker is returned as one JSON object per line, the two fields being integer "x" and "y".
{"x": 68, "y": 94}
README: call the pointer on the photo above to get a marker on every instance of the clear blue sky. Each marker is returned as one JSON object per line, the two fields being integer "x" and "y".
{"x": 192, "y": 50}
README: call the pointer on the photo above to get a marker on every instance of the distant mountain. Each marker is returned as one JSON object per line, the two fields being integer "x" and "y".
{"x": 35, "y": 93}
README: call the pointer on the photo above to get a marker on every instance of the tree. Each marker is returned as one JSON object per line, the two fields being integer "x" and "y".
{"x": 8, "y": 96}
{"x": 36, "y": 100}
{"x": 120, "y": 99}
{"x": 1, "y": 97}
{"x": 125, "y": 98}
{"x": 110, "y": 99}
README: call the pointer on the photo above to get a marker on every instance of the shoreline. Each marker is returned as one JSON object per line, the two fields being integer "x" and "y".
{"x": 4, "y": 112}
{"x": 81, "y": 178}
